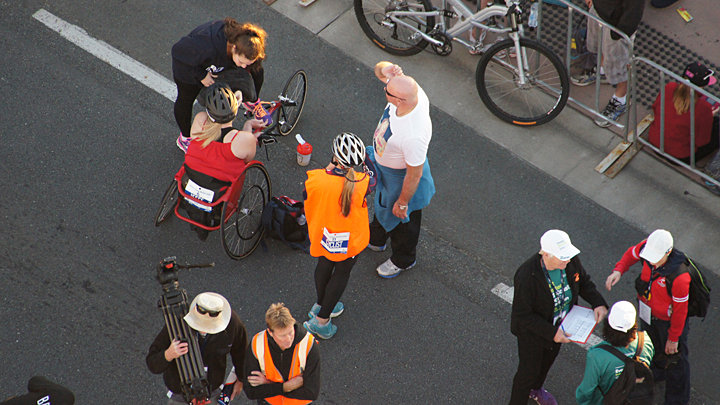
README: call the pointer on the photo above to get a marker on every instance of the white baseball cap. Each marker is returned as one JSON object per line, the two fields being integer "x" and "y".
{"x": 622, "y": 316}
{"x": 557, "y": 243}
{"x": 659, "y": 243}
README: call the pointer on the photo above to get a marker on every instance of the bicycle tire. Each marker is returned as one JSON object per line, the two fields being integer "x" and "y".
{"x": 242, "y": 229}
{"x": 168, "y": 203}
{"x": 393, "y": 38}
{"x": 540, "y": 100}
{"x": 287, "y": 116}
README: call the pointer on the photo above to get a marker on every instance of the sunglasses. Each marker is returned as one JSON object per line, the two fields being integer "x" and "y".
{"x": 392, "y": 95}
{"x": 203, "y": 311}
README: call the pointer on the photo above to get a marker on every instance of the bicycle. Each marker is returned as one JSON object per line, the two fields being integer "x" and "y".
{"x": 519, "y": 79}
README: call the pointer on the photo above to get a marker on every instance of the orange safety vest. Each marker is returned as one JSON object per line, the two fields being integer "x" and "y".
{"x": 261, "y": 351}
{"x": 331, "y": 234}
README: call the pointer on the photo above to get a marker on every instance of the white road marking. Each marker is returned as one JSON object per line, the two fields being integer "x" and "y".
{"x": 109, "y": 54}
{"x": 506, "y": 293}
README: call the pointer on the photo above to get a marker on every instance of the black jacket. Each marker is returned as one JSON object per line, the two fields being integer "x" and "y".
{"x": 232, "y": 340}
{"x": 283, "y": 360}
{"x": 623, "y": 14}
{"x": 39, "y": 388}
{"x": 206, "y": 46}
{"x": 532, "y": 308}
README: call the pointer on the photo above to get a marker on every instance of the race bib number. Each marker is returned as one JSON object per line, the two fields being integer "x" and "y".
{"x": 335, "y": 242}
{"x": 201, "y": 193}
{"x": 644, "y": 312}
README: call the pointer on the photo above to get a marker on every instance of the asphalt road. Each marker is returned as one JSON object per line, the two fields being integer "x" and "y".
{"x": 87, "y": 152}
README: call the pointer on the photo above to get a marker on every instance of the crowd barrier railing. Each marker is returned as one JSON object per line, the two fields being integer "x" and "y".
{"x": 663, "y": 74}
{"x": 630, "y": 119}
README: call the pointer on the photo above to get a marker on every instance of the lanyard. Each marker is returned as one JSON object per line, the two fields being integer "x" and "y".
{"x": 654, "y": 275}
{"x": 556, "y": 292}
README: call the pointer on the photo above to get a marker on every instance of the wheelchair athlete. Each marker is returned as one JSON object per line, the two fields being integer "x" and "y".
{"x": 217, "y": 154}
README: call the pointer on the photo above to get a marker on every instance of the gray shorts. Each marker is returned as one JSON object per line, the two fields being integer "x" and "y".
{"x": 615, "y": 54}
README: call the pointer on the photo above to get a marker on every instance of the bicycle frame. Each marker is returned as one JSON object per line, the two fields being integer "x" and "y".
{"x": 466, "y": 20}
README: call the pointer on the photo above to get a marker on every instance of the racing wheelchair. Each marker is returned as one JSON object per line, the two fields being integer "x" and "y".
{"x": 237, "y": 210}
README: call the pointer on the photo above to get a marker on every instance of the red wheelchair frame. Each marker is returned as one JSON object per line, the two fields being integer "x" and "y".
{"x": 243, "y": 201}
{"x": 242, "y": 205}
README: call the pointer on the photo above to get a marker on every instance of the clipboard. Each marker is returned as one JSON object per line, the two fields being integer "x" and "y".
{"x": 579, "y": 323}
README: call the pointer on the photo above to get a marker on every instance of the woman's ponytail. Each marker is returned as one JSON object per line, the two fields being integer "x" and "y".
{"x": 347, "y": 192}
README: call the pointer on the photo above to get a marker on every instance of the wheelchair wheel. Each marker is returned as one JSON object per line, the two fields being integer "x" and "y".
{"x": 242, "y": 229}
{"x": 289, "y": 112}
{"x": 167, "y": 206}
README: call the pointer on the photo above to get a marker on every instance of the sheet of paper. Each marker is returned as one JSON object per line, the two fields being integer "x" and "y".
{"x": 579, "y": 323}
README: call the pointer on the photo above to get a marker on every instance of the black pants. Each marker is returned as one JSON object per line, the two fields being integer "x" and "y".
{"x": 676, "y": 376}
{"x": 536, "y": 356}
{"x": 331, "y": 278}
{"x": 184, "y": 105}
{"x": 403, "y": 239}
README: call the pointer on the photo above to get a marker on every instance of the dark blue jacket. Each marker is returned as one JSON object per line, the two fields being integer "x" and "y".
{"x": 202, "y": 48}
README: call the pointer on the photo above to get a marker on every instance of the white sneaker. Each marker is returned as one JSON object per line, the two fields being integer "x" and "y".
{"x": 389, "y": 270}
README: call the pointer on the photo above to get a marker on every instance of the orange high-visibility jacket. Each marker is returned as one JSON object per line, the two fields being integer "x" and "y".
{"x": 261, "y": 351}
{"x": 327, "y": 227}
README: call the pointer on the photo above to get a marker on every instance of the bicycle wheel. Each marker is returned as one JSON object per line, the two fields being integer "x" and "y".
{"x": 242, "y": 229}
{"x": 169, "y": 201}
{"x": 288, "y": 114}
{"x": 392, "y": 37}
{"x": 539, "y": 99}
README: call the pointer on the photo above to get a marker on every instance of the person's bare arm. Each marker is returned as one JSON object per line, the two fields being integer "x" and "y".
{"x": 385, "y": 71}
{"x": 410, "y": 184}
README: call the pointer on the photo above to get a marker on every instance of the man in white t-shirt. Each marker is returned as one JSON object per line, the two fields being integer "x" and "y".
{"x": 405, "y": 185}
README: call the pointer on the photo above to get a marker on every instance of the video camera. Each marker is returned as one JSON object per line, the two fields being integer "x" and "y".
{"x": 174, "y": 305}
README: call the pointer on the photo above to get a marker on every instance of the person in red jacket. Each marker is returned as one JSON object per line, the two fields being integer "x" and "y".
{"x": 663, "y": 316}
{"x": 338, "y": 227}
{"x": 677, "y": 117}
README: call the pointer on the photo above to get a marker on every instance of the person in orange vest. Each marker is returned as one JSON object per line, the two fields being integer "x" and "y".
{"x": 338, "y": 226}
{"x": 272, "y": 375}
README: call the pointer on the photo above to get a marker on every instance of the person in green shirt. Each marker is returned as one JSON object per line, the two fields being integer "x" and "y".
{"x": 602, "y": 368}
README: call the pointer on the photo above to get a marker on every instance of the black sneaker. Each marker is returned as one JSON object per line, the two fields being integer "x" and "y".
{"x": 613, "y": 110}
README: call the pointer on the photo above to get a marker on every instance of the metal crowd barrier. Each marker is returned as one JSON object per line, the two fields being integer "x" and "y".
{"x": 631, "y": 116}
{"x": 630, "y": 120}
{"x": 663, "y": 73}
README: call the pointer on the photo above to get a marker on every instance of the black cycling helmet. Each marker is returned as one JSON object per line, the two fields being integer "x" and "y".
{"x": 220, "y": 103}
{"x": 348, "y": 149}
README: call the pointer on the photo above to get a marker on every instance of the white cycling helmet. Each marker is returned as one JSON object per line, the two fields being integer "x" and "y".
{"x": 348, "y": 149}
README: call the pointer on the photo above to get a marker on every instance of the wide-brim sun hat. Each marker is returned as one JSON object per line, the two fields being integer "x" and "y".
{"x": 209, "y": 303}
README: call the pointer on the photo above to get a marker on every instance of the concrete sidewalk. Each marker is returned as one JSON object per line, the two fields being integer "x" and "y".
{"x": 647, "y": 193}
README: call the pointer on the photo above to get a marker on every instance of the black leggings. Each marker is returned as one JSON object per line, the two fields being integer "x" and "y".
{"x": 331, "y": 278}
{"x": 184, "y": 105}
